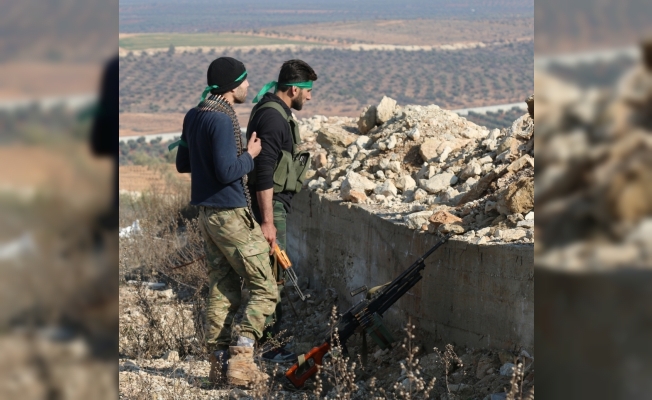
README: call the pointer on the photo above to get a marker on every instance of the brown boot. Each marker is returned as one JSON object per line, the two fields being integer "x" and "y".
{"x": 218, "y": 360}
{"x": 242, "y": 371}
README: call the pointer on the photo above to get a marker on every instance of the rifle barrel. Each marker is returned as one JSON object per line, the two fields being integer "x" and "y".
{"x": 418, "y": 264}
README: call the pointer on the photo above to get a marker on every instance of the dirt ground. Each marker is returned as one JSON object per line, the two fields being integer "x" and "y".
{"x": 132, "y": 124}
{"x": 66, "y": 170}
{"x": 136, "y": 178}
{"x": 28, "y": 79}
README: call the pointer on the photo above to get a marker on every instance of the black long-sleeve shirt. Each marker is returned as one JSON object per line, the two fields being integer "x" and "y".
{"x": 275, "y": 135}
{"x": 211, "y": 158}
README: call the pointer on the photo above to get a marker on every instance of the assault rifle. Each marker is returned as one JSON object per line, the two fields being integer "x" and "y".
{"x": 363, "y": 317}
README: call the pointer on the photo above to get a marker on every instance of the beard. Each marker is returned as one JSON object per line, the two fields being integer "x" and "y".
{"x": 297, "y": 103}
{"x": 239, "y": 95}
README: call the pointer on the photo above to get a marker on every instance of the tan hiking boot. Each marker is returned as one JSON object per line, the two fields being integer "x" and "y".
{"x": 242, "y": 371}
{"x": 218, "y": 360}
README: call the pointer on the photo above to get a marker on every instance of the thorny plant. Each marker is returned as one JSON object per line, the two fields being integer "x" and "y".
{"x": 449, "y": 359}
{"x": 414, "y": 385}
{"x": 410, "y": 367}
{"x": 338, "y": 371}
{"x": 516, "y": 384}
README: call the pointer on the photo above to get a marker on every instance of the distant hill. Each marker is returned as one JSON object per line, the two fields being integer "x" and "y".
{"x": 227, "y": 15}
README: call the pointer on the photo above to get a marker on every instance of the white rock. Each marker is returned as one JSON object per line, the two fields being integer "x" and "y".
{"x": 405, "y": 183}
{"x": 528, "y": 223}
{"x": 352, "y": 150}
{"x": 439, "y": 182}
{"x": 363, "y": 142}
{"x": 385, "y": 110}
{"x": 319, "y": 183}
{"x": 445, "y": 153}
{"x": 383, "y": 163}
{"x": 529, "y": 216}
{"x": 414, "y": 134}
{"x": 485, "y": 160}
{"x": 472, "y": 169}
{"x": 420, "y": 195}
{"x": 394, "y": 166}
{"x": 449, "y": 195}
{"x": 510, "y": 235}
{"x": 380, "y": 174}
{"x": 357, "y": 182}
{"x": 417, "y": 219}
{"x": 388, "y": 189}
{"x": 391, "y": 143}
{"x": 494, "y": 134}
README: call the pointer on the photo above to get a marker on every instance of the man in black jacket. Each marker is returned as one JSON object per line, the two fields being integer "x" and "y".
{"x": 278, "y": 133}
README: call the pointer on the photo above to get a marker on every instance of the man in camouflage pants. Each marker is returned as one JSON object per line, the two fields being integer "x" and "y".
{"x": 211, "y": 150}
{"x": 272, "y": 119}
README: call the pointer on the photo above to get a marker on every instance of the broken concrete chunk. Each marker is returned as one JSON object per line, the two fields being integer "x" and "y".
{"x": 333, "y": 137}
{"x": 451, "y": 228}
{"x": 439, "y": 182}
{"x": 417, "y": 219}
{"x": 444, "y": 217}
{"x": 363, "y": 142}
{"x": 355, "y": 182}
{"x": 405, "y": 183}
{"x": 388, "y": 188}
{"x": 385, "y": 110}
{"x": 518, "y": 197}
{"x": 428, "y": 149}
{"x": 471, "y": 170}
{"x": 367, "y": 119}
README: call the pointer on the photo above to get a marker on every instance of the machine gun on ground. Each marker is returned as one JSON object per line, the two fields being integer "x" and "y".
{"x": 365, "y": 317}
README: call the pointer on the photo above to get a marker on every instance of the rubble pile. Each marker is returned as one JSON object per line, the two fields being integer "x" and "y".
{"x": 595, "y": 169}
{"x": 429, "y": 169}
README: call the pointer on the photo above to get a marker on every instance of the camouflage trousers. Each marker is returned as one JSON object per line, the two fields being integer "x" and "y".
{"x": 280, "y": 217}
{"x": 235, "y": 248}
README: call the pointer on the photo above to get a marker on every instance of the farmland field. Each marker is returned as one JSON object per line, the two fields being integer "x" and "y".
{"x": 348, "y": 80}
{"x": 417, "y": 32}
{"x": 165, "y": 40}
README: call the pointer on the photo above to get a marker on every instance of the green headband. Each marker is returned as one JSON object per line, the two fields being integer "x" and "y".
{"x": 273, "y": 85}
{"x": 209, "y": 88}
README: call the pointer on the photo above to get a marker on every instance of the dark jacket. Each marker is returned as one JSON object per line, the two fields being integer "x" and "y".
{"x": 211, "y": 158}
{"x": 274, "y": 132}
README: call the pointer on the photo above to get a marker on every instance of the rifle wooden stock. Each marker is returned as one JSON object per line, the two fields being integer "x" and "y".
{"x": 298, "y": 377}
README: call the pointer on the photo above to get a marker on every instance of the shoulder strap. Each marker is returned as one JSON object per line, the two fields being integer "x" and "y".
{"x": 274, "y": 105}
{"x": 294, "y": 127}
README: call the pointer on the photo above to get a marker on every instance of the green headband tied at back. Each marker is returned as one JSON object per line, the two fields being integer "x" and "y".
{"x": 273, "y": 85}
{"x": 211, "y": 87}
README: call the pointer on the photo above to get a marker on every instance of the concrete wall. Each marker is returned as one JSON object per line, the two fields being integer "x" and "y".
{"x": 478, "y": 296}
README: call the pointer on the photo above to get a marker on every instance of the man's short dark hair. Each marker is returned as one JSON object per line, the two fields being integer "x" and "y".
{"x": 295, "y": 71}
